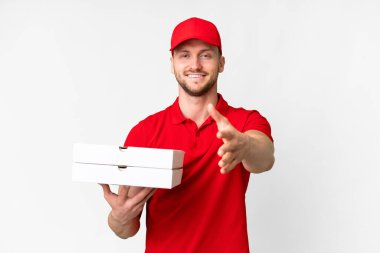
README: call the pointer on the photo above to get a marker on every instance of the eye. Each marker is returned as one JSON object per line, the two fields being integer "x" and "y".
{"x": 205, "y": 56}
{"x": 184, "y": 56}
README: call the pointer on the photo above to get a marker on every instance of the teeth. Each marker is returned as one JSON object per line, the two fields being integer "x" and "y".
{"x": 195, "y": 75}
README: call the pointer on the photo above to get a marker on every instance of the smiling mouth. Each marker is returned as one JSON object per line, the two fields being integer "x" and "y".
{"x": 196, "y": 75}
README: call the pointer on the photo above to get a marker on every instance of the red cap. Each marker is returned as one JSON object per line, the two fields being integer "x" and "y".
{"x": 196, "y": 28}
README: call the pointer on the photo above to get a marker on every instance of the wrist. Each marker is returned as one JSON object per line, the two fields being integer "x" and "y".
{"x": 248, "y": 140}
{"x": 248, "y": 146}
{"x": 121, "y": 229}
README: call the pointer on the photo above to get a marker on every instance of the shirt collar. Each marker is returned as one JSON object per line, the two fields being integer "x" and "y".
{"x": 178, "y": 118}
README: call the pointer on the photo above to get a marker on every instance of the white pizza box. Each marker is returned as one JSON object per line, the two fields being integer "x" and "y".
{"x": 128, "y": 156}
{"x": 135, "y": 176}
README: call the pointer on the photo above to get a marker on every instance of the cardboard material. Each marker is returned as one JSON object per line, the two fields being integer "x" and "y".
{"x": 148, "y": 167}
{"x": 136, "y": 176}
{"x": 128, "y": 156}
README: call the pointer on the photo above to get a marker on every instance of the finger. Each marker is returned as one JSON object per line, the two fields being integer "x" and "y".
{"x": 134, "y": 190}
{"x": 106, "y": 188}
{"x": 226, "y": 147}
{"x": 229, "y": 167}
{"x": 108, "y": 194}
{"x": 221, "y": 151}
{"x": 142, "y": 203}
{"x": 123, "y": 191}
{"x": 140, "y": 197}
{"x": 219, "y": 118}
{"x": 138, "y": 207}
{"x": 122, "y": 194}
{"x": 226, "y": 159}
{"x": 151, "y": 194}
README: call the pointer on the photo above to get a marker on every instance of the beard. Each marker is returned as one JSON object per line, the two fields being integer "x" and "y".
{"x": 196, "y": 92}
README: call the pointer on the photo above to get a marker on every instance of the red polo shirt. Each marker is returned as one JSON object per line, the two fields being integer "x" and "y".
{"x": 206, "y": 212}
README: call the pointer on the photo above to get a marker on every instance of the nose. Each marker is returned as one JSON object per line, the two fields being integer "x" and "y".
{"x": 195, "y": 64}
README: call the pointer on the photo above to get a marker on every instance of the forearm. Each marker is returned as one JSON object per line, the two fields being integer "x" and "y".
{"x": 259, "y": 155}
{"x": 122, "y": 230}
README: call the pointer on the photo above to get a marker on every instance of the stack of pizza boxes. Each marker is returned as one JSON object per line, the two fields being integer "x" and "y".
{"x": 146, "y": 167}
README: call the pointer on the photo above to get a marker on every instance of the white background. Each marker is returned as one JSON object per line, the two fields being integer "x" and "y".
{"x": 87, "y": 71}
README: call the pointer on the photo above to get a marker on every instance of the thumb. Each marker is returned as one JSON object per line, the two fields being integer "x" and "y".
{"x": 219, "y": 118}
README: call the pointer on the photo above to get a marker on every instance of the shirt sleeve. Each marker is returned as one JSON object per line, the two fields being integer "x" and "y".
{"x": 136, "y": 137}
{"x": 256, "y": 121}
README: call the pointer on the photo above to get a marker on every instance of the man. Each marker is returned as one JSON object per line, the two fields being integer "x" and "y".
{"x": 222, "y": 144}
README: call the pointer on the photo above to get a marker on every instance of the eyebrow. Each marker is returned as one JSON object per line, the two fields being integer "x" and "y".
{"x": 183, "y": 50}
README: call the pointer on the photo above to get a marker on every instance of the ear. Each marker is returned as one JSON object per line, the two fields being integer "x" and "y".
{"x": 222, "y": 61}
{"x": 171, "y": 65}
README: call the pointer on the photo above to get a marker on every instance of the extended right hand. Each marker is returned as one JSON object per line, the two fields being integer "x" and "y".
{"x": 128, "y": 203}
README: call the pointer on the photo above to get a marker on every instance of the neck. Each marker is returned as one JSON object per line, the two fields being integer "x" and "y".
{"x": 195, "y": 108}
